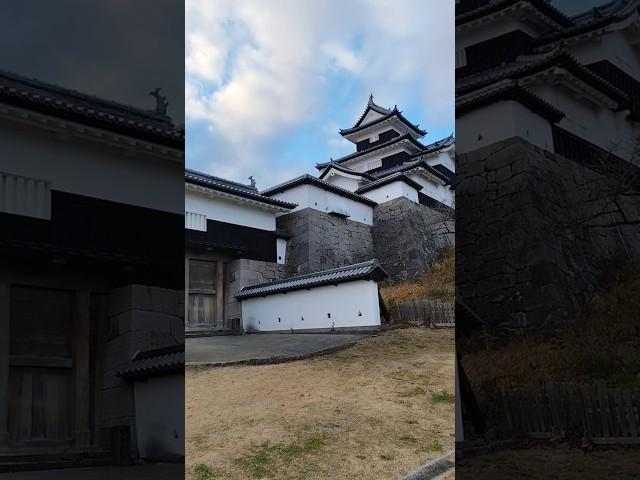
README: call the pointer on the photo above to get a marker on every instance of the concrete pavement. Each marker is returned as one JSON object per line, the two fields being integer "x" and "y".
{"x": 263, "y": 348}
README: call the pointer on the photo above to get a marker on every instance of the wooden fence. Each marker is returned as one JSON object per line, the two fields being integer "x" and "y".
{"x": 603, "y": 415}
{"x": 428, "y": 312}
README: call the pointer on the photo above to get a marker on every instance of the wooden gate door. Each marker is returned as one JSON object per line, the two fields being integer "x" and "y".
{"x": 206, "y": 299}
{"x": 43, "y": 378}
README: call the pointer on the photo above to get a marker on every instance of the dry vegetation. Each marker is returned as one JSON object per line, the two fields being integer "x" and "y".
{"x": 603, "y": 342}
{"x": 438, "y": 284}
{"x": 376, "y": 410}
{"x": 556, "y": 463}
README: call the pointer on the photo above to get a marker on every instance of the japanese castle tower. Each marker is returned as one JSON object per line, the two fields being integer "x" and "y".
{"x": 306, "y": 254}
{"x": 389, "y": 153}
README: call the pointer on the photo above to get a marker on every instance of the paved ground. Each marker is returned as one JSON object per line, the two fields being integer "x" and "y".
{"x": 145, "y": 472}
{"x": 220, "y": 350}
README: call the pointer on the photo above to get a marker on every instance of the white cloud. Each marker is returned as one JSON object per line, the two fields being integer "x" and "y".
{"x": 256, "y": 69}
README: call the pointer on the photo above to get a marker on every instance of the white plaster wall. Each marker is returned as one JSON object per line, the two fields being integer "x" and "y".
{"x": 466, "y": 37}
{"x": 392, "y": 190}
{"x": 159, "y": 404}
{"x": 370, "y": 117}
{"x": 92, "y": 169}
{"x": 195, "y": 221}
{"x": 25, "y": 196}
{"x": 224, "y": 210}
{"x": 608, "y": 129}
{"x": 310, "y": 196}
{"x": 281, "y": 250}
{"x": 442, "y": 193}
{"x": 499, "y": 121}
{"x": 612, "y": 46}
{"x": 375, "y": 159}
{"x": 342, "y": 181}
{"x": 442, "y": 158}
{"x": 309, "y": 309}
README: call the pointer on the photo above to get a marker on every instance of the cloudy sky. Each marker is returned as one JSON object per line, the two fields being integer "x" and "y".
{"x": 268, "y": 84}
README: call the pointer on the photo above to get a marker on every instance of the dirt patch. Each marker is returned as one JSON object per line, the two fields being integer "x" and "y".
{"x": 377, "y": 410}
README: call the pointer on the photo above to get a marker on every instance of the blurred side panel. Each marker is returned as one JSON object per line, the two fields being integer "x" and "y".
{"x": 548, "y": 238}
{"x": 92, "y": 237}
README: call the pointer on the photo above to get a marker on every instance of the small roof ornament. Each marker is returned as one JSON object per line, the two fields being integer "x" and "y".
{"x": 370, "y": 98}
{"x": 161, "y": 101}
{"x": 253, "y": 181}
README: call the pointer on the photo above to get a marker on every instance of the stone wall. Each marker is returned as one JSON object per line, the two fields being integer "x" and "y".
{"x": 320, "y": 241}
{"x": 139, "y": 318}
{"x": 532, "y": 235}
{"x": 243, "y": 273}
{"x": 408, "y": 237}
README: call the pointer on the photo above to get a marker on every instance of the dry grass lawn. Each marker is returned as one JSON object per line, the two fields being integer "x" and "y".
{"x": 374, "y": 411}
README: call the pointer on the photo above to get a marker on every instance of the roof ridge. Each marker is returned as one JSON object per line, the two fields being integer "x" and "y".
{"x": 338, "y": 166}
{"x": 385, "y": 116}
{"x": 515, "y": 68}
{"x": 198, "y": 172}
{"x": 246, "y": 192}
{"x": 496, "y": 5}
{"x": 300, "y": 178}
{"x": 393, "y": 177}
{"x": 406, "y": 136}
{"x": 367, "y": 263}
{"x": 32, "y": 82}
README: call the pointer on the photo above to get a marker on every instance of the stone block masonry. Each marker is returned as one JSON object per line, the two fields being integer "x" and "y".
{"x": 531, "y": 244}
{"x": 139, "y": 318}
{"x": 321, "y": 241}
{"x": 243, "y": 273}
{"x": 408, "y": 237}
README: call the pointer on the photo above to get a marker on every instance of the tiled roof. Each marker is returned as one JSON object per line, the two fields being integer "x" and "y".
{"x": 344, "y": 169}
{"x": 406, "y": 166}
{"x": 527, "y": 65}
{"x": 371, "y": 105}
{"x": 493, "y": 6}
{"x": 614, "y": 9}
{"x": 396, "y": 177}
{"x": 439, "y": 144}
{"x": 506, "y": 90}
{"x": 156, "y": 362}
{"x": 32, "y": 94}
{"x": 445, "y": 171}
{"x": 227, "y": 186}
{"x": 353, "y": 155}
{"x": 592, "y": 20}
{"x": 370, "y": 270}
{"x": 311, "y": 180}
{"x": 391, "y": 113}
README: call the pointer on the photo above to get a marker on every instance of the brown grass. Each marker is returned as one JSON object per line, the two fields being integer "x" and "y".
{"x": 366, "y": 412}
{"x": 603, "y": 342}
{"x": 438, "y": 284}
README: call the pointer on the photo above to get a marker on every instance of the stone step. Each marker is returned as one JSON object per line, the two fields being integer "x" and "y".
{"x": 31, "y": 461}
{"x": 207, "y": 332}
